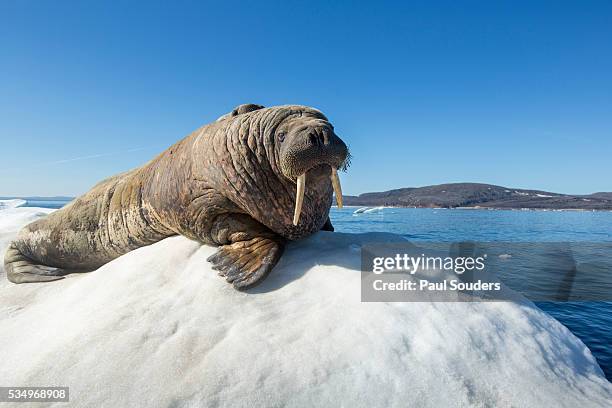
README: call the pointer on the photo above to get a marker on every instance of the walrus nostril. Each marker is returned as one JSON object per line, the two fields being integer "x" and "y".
{"x": 312, "y": 138}
{"x": 316, "y": 139}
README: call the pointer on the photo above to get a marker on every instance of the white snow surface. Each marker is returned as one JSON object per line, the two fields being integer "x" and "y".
{"x": 158, "y": 328}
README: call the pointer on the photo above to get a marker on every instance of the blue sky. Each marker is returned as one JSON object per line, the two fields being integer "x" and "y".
{"x": 510, "y": 93}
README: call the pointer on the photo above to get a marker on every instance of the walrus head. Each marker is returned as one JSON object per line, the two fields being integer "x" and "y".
{"x": 297, "y": 154}
{"x": 309, "y": 144}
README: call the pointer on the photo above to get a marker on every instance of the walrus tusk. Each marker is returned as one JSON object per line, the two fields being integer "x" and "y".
{"x": 337, "y": 188}
{"x": 299, "y": 198}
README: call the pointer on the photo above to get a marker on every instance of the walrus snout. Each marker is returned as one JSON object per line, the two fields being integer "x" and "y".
{"x": 307, "y": 146}
{"x": 310, "y": 146}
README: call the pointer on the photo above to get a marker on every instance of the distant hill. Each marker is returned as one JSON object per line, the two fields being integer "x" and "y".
{"x": 480, "y": 195}
{"x": 605, "y": 196}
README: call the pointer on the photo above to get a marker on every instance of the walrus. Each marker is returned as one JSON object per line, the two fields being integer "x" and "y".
{"x": 248, "y": 183}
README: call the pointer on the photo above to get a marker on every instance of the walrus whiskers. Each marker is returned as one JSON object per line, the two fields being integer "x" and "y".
{"x": 299, "y": 198}
{"x": 337, "y": 187}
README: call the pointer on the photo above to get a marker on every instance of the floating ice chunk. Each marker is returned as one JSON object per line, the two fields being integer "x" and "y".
{"x": 5, "y": 204}
{"x": 373, "y": 210}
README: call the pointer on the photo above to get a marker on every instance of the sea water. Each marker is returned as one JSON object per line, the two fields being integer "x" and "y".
{"x": 46, "y": 203}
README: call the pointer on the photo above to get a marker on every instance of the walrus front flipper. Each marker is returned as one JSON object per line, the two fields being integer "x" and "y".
{"x": 246, "y": 263}
{"x": 328, "y": 226}
{"x": 20, "y": 269}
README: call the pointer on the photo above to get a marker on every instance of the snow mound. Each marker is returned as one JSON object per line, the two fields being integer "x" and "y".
{"x": 4, "y": 204}
{"x": 157, "y": 327}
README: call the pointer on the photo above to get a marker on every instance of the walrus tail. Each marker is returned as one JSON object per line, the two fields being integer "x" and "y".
{"x": 21, "y": 269}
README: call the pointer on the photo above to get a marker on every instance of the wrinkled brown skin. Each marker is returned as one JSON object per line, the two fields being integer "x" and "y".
{"x": 230, "y": 183}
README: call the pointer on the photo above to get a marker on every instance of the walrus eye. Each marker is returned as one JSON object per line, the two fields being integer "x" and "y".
{"x": 281, "y": 136}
